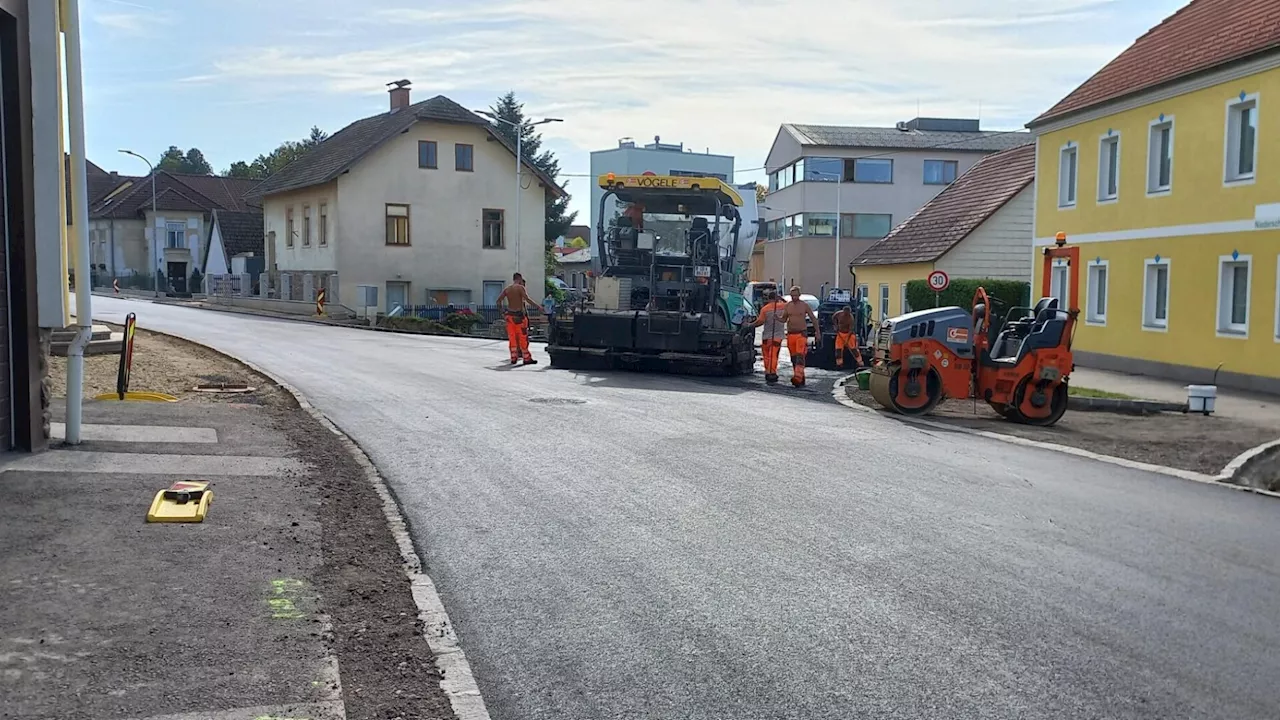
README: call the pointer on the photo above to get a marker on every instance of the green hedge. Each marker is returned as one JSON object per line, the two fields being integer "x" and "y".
{"x": 1004, "y": 294}
{"x": 416, "y": 324}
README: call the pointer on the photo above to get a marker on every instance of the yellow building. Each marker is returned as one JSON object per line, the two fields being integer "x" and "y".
{"x": 1164, "y": 167}
{"x": 979, "y": 227}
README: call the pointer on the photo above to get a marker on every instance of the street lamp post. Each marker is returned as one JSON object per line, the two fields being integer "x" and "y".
{"x": 519, "y": 158}
{"x": 155, "y": 277}
{"x": 839, "y": 221}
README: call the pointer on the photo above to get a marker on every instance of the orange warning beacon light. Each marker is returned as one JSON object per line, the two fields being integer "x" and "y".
{"x": 1060, "y": 239}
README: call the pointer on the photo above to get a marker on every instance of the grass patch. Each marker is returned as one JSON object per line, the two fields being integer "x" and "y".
{"x": 1091, "y": 393}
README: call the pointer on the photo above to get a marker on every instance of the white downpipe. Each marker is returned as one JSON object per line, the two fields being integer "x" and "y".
{"x": 80, "y": 210}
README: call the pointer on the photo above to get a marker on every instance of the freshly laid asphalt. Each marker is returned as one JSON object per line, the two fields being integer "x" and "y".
{"x": 625, "y": 546}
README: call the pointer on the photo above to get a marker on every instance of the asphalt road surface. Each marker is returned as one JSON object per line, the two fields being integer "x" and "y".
{"x": 628, "y": 546}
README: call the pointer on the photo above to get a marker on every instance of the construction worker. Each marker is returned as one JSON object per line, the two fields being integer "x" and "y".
{"x": 846, "y": 336}
{"x": 775, "y": 329}
{"x": 514, "y": 300}
{"x": 795, "y": 313}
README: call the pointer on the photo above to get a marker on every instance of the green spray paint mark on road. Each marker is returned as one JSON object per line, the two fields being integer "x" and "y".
{"x": 281, "y": 602}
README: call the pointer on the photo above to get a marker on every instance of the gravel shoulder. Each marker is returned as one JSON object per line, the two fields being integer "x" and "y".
{"x": 1184, "y": 441}
{"x": 386, "y": 668}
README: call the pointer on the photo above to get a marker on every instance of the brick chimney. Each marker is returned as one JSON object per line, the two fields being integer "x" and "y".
{"x": 399, "y": 94}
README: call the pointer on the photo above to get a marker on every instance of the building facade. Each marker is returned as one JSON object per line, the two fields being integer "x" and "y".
{"x": 656, "y": 157}
{"x": 870, "y": 178}
{"x": 979, "y": 227}
{"x": 1163, "y": 168}
{"x": 419, "y": 202}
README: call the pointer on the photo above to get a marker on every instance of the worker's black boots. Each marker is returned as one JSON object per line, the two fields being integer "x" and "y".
{"x": 771, "y": 378}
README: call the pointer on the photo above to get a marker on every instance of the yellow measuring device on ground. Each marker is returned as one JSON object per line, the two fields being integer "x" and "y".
{"x": 184, "y": 502}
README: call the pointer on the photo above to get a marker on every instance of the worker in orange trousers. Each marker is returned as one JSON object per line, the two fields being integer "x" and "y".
{"x": 846, "y": 338}
{"x": 775, "y": 329}
{"x": 514, "y": 299}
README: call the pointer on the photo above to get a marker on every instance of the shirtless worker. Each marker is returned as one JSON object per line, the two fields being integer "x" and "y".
{"x": 514, "y": 300}
{"x": 775, "y": 329}
{"x": 795, "y": 312}
{"x": 846, "y": 337}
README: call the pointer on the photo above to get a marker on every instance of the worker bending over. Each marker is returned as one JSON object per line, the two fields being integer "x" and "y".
{"x": 515, "y": 300}
{"x": 773, "y": 319}
{"x": 846, "y": 337}
{"x": 796, "y": 312}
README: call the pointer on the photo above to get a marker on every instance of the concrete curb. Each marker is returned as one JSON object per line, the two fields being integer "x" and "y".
{"x": 1127, "y": 407}
{"x": 1222, "y": 479}
{"x": 457, "y": 680}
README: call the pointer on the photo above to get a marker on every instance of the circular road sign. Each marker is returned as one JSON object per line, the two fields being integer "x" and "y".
{"x": 939, "y": 281}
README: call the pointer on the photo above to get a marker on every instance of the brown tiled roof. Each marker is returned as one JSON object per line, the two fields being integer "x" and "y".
{"x": 1200, "y": 36}
{"x": 242, "y": 232}
{"x": 957, "y": 211}
{"x": 346, "y": 147}
{"x": 177, "y": 191}
{"x": 227, "y": 192}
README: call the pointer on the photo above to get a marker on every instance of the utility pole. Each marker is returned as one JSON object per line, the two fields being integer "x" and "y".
{"x": 155, "y": 276}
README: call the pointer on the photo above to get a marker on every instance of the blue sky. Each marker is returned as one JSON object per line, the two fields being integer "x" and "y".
{"x": 236, "y": 77}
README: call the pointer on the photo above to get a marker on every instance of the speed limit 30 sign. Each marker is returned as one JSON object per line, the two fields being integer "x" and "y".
{"x": 939, "y": 281}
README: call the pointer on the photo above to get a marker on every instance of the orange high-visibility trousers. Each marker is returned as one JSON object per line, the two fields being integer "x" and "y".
{"x": 518, "y": 337}
{"x": 847, "y": 342}
{"x": 797, "y": 346}
{"x": 770, "y": 349}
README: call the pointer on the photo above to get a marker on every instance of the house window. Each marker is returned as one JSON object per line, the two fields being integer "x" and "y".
{"x": 397, "y": 224}
{"x": 306, "y": 226}
{"x": 820, "y": 224}
{"x": 1160, "y": 157}
{"x": 288, "y": 227}
{"x": 462, "y": 157}
{"x": 1059, "y": 280}
{"x": 427, "y": 154}
{"x": 324, "y": 224}
{"x": 864, "y": 292}
{"x": 866, "y": 226}
{"x": 906, "y": 306}
{"x": 872, "y": 170}
{"x": 1155, "y": 295}
{"x": 1242, "y": 138}
{"x": 823, "y": 169}
{"x": 773, "y": 182}
{"x": 884, "y": 302}
{"x": 491, "y": 223}
{"x": 1096, "y": 304}
{"x": 175, "y": 235}
{"x": 940, "y": 172}
{"x": 1233, "y": 295}
{"x": 1109, "y": 168}
{"x": 1068, "y": 170}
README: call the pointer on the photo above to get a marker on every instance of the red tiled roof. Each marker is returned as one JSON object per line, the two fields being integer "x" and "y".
{"x": 957, "y": 211}
{"x": 227, "y": 192}
{"x": 1200, "y": 36}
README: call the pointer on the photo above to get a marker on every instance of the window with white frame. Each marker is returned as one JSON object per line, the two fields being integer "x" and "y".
{"x": 1109, "y": 168}
{"x": 1068, "y": 170}
{"x": 1155, "y": 294}
{"x": 1233, "y": 294}
{"x": 1096, "y": 303}
{"x": 1160, "y": 157}
{"x": 175, "y": 235}
{"x": 864, "y": 292}
{"x": 1242, "y": 138}
{"x": 1059, "y": 284}
{"x": 884, "y": 301}
{"x": 906, "y": 306}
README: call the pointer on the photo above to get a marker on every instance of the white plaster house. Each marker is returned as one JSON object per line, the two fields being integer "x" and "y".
{"x": 418, "y": 201}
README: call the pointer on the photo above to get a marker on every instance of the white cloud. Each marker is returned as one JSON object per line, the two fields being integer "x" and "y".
{"x": 714, "y": 73}
{"x": 131, "y": 23}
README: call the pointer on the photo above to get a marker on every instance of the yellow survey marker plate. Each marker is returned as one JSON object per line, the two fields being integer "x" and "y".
{"x": 185, "y": 502}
